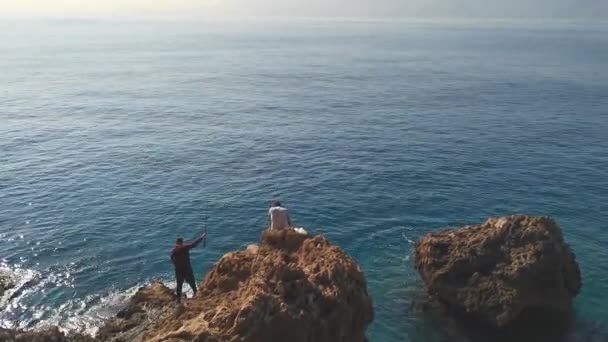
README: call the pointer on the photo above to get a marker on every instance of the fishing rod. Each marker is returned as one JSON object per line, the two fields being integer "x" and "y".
{"x": 201, "y": 232}
{"x": 205, "y": 231}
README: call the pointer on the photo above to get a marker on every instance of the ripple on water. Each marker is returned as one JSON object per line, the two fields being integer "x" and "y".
{"x": 410, "y": 131}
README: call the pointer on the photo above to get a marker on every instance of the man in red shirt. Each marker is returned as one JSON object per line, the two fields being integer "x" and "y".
{"x": 180, "y": 256}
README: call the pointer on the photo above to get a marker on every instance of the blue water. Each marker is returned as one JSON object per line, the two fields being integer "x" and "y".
{"x": 117, "y": 137}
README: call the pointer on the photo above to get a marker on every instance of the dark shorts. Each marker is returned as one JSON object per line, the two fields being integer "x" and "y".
{"x": 184, "y": 275}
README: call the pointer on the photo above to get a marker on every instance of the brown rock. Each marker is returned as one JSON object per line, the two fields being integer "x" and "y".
{"x": 293, "y": 287}
{"x": 146, "y": 306}
{"x": 49, "y": 335}
{"x": 501, "y": 273}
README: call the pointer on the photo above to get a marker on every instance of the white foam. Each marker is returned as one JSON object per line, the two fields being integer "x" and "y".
{"x": 21, "y": 278}
{"x": 410, "y": 241}
{"x": 15, "y": 312}
{"x": 83, "y": 315}
{"x": 87, "y": 314}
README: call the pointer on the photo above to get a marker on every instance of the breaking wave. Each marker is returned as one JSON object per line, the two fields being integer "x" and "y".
{"x": 83, "y": 315}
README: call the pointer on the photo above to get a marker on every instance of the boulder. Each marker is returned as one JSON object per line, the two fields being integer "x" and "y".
{"x": 6, "y": 283}
{"x": 51, "y": 334}
{"x": 145, "y": 307}
{"x": 508, "y": 272}
{"x": 293, "y": 287}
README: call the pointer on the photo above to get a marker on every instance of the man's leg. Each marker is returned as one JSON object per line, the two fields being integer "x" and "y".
{"x": 180, "y": 283}
{"x": 191, "y": 281}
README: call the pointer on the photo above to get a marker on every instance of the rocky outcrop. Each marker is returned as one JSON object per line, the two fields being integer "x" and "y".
{"x": 293, "y": 287}
{"x": 6, "y": 283}
{"x": 48, "y": 335}
{"x": 145, "y": 307}
{"x": 501, "y": 274}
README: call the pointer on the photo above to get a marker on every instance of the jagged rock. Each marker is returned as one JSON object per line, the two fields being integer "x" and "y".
{"x": 148, "y": 304}
{"x": 6, "y": 283}
{"x": 131, "y": 323}
{"x": 49, "y": 335}
{"x": 293, "y": 287}
{"x": 510, "y": 272}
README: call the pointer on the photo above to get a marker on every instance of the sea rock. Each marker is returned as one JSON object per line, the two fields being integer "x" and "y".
{"x": 510, "y": 272}
{"x": 146, "y": 306}
{"x": 51, "y": 334}
{"x": 6, "y": 283}
{"x": 293, "y": 287}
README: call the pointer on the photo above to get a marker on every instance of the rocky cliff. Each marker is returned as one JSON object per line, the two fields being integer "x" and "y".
{"x": 510, "y": 272}
{"x": 292, "y": 287}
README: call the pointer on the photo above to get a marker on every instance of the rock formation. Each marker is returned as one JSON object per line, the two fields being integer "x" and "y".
{"x": 49, "y": 335}
{"x": 6, "y": 283}
{"x": 144, "y": 308}
{"x": 501, "y": 274}
{"x": 294, "y": 287}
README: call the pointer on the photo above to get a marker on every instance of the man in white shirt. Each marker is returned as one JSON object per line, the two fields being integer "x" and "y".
{"x": 278, "y": 216}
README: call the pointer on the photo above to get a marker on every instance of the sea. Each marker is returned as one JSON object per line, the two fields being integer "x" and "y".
{"x": 117, "y": 136}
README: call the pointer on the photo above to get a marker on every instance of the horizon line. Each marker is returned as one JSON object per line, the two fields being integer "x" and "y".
{"x": 252, "y": 18}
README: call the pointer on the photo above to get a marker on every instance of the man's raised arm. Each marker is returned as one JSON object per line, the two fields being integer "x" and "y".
{"x": 196, "y": 242}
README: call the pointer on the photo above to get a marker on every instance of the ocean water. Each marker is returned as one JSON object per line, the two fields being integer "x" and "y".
{"x": 116, "y": 137}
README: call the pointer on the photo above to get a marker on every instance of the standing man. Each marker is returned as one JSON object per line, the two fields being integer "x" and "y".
{"x": 180, "y": 256}
{"x": 278, "y": 216}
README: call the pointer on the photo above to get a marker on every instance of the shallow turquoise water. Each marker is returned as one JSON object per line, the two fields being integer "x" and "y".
{"x": 116, "y": 137}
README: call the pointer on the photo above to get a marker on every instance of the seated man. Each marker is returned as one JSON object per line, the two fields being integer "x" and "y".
{"x": 278, "y": 216}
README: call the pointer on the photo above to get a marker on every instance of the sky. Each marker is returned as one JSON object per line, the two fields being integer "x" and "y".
{"x": 563, "y": 9}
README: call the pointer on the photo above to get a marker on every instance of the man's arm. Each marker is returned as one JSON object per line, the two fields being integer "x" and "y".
{"x": 196, "y": 242}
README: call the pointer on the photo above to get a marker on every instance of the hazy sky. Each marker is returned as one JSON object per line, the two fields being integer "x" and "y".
{"x": 307, "y": 8}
